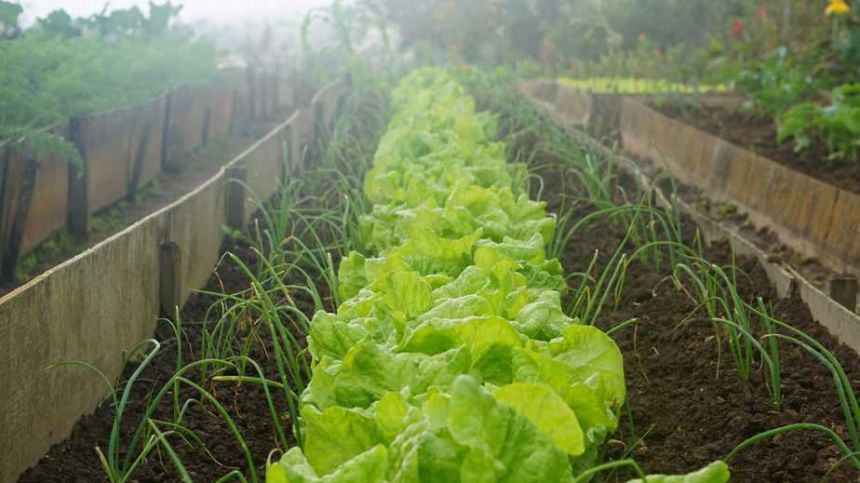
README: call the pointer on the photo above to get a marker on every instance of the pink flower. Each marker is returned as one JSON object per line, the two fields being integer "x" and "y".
{"x": 737, "y": 28}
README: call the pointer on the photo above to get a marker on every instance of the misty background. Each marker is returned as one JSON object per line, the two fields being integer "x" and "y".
{"x": 215, "y": 11}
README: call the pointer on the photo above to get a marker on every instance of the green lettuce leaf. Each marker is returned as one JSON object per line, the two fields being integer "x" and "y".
{"x": 367, "y": 467}
{"x": 547, "y": 411}
{"x": 716, "y": 472}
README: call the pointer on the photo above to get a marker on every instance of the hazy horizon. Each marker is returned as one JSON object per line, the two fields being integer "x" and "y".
{"x": 213, "y": 10}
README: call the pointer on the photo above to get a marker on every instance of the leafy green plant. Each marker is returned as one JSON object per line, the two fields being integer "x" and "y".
{"x": 776, "y": 85}
{"x": 52, "y": 72}
{"x": 837, "y": 124}
{"x": 455, "y": 319}
{"x": 716, "y": 472}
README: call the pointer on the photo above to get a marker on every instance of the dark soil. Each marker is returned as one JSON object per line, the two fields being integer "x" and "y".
{"x": 758, "y": 134}
{"x": 687, "y": 405}
{"x": 212, "y": 450}
{"x": 74, "y": 460}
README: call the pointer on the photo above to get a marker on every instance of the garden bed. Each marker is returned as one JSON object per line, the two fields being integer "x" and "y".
{"x": 75, "y": 459}
{"x": 810, "y": 223}
{"x": 207, "y": 446}
{"x": 758, "y": 134}
{"x": 687, "y": 405}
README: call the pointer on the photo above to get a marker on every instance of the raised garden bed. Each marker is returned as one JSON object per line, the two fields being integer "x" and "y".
{"x": 687, "y": 404}
{"x": 160, "y": 192}
{"x": 75, "y": 457}
{"x": 759, "y": 134}
{"x": 246, "y": 404}
{"x": 816, "y": 219}
{"x": 60, "y": 316}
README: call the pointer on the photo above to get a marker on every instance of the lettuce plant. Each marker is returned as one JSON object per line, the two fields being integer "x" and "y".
{"x": 450, "y": 358}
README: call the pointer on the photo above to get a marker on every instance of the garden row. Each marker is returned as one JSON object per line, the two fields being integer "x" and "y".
{"x": 451, "y": 357}
{"x": 103, "y": 302}
{"x": 787, "y": 201}
{"x": 697, "y": 323}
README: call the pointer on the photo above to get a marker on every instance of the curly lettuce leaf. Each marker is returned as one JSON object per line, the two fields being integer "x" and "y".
{"x": 716, "y": 472}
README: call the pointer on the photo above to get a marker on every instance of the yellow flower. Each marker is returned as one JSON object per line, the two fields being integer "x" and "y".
{"x": 838, "y": 7}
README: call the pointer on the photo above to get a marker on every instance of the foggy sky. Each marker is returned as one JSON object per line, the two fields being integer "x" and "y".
{"x": 214, "y": 10}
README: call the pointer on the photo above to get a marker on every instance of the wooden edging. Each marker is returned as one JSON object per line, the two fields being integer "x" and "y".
{"x": 600, "y": 114}
{"x": 816, "y": 219}
{"x": 107, "y": 299}
{"x": 841, "y": 322}
{"x": 33, "y": 198}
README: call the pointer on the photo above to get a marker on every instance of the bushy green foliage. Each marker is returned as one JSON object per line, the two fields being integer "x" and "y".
{"x": 61, "y": 69}
{"x": 9, "y": 13}
{"x": 777, "y": 84}
{"x": 451, "y": 358}
{"x": 40, "y": 143}
{"x": 46, "y": 79}
{"x": 837, "y": 124}
{"x": 807, "y": 102}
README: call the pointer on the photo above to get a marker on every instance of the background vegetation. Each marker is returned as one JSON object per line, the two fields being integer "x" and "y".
{"x": 797, "y": 60}
{"x": 65, "y": 67}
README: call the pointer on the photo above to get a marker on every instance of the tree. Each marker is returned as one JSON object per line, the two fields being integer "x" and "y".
{"x": 9, "y": 13}
{"x": 59, "y": 23}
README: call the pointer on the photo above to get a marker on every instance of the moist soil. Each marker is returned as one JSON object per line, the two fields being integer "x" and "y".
{"x": 758, "y": 134}
{"x": 75, "y": 459}
{"x": 728, "y": 215}
{"x": 686, "y": 404}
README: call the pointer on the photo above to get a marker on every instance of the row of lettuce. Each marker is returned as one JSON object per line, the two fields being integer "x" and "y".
{"x": 450, "y": 358}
